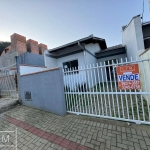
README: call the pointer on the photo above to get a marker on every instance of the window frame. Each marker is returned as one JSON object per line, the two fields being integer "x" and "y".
{"x": 71, "y": 67}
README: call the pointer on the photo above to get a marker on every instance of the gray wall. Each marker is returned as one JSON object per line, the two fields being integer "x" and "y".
{"x": 31, "y": 59}
{"x": 47, "y": 91}
{"x": 133, "y": 37}
{"x": 27, "y": 58}
{"x": 49, "y": 61}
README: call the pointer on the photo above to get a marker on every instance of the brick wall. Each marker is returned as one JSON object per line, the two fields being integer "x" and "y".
{"x": 32, "y": 46}
{"x": 42, "y": 48}
{"x": 18, "y": 43}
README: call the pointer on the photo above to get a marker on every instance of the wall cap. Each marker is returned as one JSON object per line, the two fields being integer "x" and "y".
{"x": 40, "y": 72}
{"x": 32, "y": 66}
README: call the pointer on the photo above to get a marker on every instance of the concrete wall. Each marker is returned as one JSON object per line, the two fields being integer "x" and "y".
{"x": 132, "y": 38}
{"x": 77, "y": 78}
{"x": 145, "y": 71}
{"x": 31, "y": 59}
{"x": 78, "y": 56}
{"x": 49, "y": 61}
{"x": 47, "y": 91}
{"x": 30, "y": 69}
{"x": 93, "y": 47}
{"x": 53, "y": 62}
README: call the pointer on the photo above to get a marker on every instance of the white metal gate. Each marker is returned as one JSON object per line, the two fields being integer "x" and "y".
{"x": 8, "y": 81}
{"x": 91, "y": 91}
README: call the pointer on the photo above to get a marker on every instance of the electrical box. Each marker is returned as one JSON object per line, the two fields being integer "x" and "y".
{"x": 28, "y": 96}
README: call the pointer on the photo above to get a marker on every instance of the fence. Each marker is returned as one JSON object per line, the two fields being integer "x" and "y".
{"x": 8, "y": 81}
{"x": 93, "y": 91}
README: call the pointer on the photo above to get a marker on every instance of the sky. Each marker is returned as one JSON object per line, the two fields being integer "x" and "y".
{"x": 58, "y": 22}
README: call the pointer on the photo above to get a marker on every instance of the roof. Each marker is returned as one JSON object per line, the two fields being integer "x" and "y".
{"x": 145, "y": 23}
{"x": 83, "y": 40}
{"x": 111, "y": 48}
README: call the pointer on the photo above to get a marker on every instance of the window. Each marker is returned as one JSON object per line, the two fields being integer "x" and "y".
{"x": 72, "y": 65}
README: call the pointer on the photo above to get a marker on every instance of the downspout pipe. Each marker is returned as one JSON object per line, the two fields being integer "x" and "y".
{"x": 85, "y": 63}
{"x": 84, "y": 53}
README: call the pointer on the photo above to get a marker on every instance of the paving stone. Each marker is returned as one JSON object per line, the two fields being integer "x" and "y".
{"x": 83, "y": 141}
{"x": 122, "y": 146}
{"x": 133, "y": 140}
{"x": 128, "y": 130}
{"x": 109, "y": 127}
{"x": 127, "y": 142}
{"x": 145, "y": 133}
{"x": 118, "y": 128}
{"x": 83, "y": 132}
{"x": 123, "y": 129}
{"x": 89, "y": 138}
{"x": 133, "y": 131}
{"x": 124, "y": 136}
{"x": 118, "y": 138}
{"x": 143, "y": 145}
{"x": 102, "y": 146}
{"x": 139, "y": 132}
{"x": 114, "y": 127}
{"x": 131, "y": 148}
{"x": 106, "y": 137}
{"x": 89, "y": 145}
{"x": 115, "y": 148}
{"x": 108, "y": 144}
{"x": 147, "y": 140}
{"x": 114, "y": 141}
{"x": 105, "y": 132}
{"x": 25, "y": 148}
{"x": 137, "y": 137}
{"x": 95, "y": 142}
{"x": 96, "y": 147}
{"x": 137, "y": 146}
{"x": 94, "y": 136}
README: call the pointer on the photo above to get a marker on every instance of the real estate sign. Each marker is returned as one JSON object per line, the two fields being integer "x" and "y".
{"x": 128, "y": 77}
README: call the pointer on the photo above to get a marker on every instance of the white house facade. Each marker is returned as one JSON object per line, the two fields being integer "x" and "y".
{"x": 82, "y": 53}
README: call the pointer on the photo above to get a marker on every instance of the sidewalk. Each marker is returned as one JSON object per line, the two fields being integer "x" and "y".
{"x": 39, "y": 130}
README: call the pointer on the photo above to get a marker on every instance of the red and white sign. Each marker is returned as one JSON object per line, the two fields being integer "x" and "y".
{"x": 128, "y": 77}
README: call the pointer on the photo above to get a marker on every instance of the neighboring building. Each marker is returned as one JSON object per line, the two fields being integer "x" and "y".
{"x": 18, "y": 47}
{"x": 136, "y": 37}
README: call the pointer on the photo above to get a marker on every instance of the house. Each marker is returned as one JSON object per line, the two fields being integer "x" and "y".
{"x": 136, "y": 37}
{"x": 84, "y": 53}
